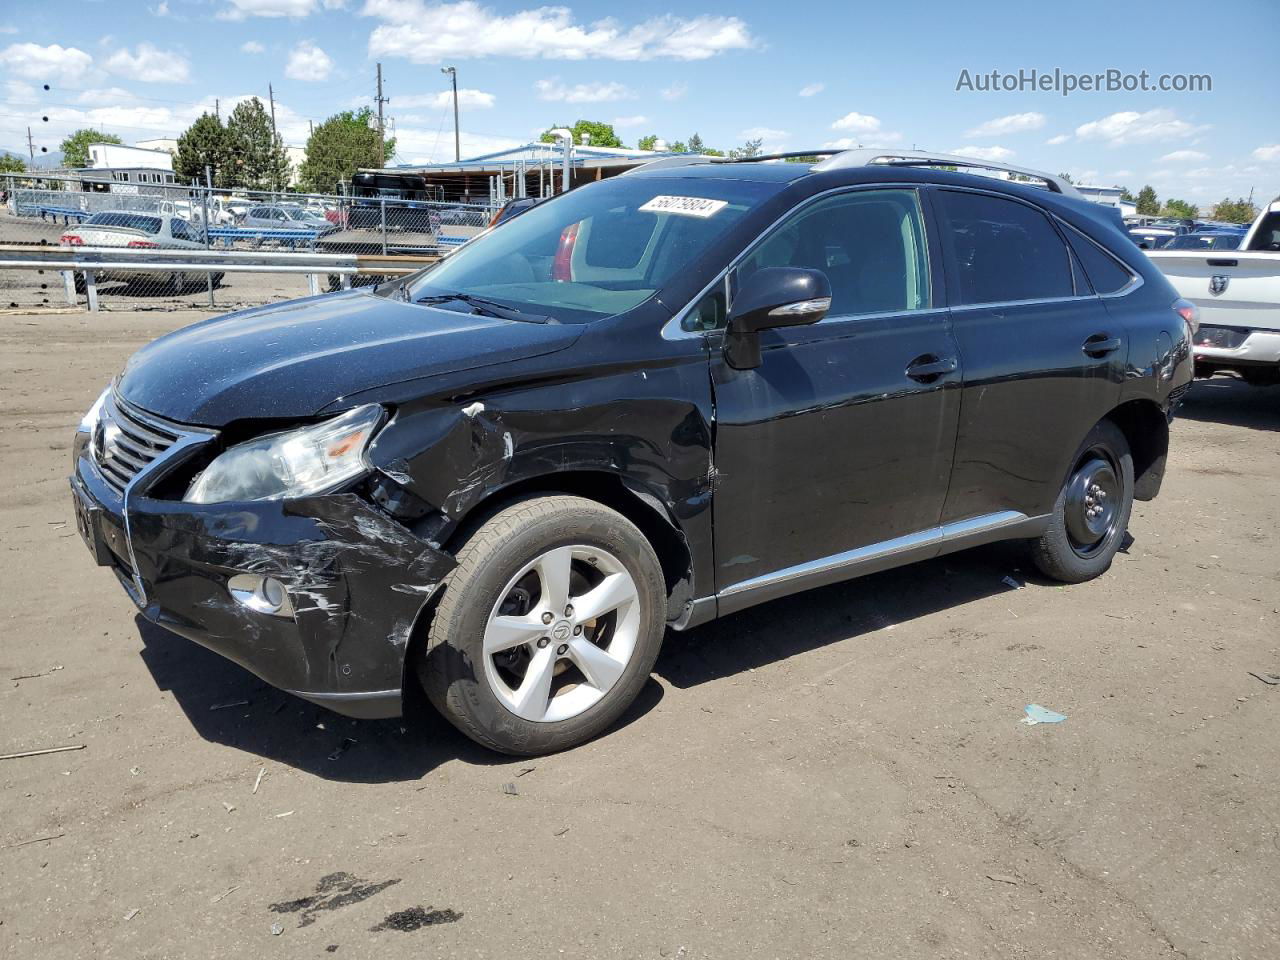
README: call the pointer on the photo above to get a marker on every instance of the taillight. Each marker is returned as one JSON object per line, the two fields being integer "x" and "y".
{"x": 562, "y": 266}
{"x": 71, "y": 240}
{"x": 142, "y": 243}
{"x": 1189, "y": 312}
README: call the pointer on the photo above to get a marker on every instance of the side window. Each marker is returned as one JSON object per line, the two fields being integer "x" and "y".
{"x": 869, "y": 243}
{"x": 178, "y": 229}
{"x": 1003, "y": 250}
{"x": 1105, "y": 272}
{"x": 709, "y": 313}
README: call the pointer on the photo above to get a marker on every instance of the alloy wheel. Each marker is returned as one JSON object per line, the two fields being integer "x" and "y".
{"x": 562, "y": 633}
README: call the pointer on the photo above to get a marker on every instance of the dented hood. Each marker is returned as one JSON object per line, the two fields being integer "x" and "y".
{"x": 291, "y": 360}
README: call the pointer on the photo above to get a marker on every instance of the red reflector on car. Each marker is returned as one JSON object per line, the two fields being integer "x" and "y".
{"x": 71, "y": 240}
{"x": 142, "y": 243}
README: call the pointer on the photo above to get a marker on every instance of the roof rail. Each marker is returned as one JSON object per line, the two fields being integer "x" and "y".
{"x": 919, "y": 158}
{"x": 662, "y": 162}
{"x": 791, "y": 155}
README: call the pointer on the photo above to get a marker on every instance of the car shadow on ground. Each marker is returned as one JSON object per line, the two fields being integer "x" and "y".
{"x": 226, "y": 704}
{"x": 844, "y": 611}
{"x": 1233, "y": 402}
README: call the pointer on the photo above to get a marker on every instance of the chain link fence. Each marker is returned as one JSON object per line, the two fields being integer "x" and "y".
{"x": 77, "y": 212}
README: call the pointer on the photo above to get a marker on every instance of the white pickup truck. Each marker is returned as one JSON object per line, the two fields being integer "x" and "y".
{"x": 1238, "y": 293}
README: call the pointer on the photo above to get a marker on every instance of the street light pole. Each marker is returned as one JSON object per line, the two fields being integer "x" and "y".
{"x": 457, "y": 140}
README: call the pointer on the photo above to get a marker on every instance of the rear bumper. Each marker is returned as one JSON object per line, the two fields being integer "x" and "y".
{"x": 356, "y": 580}
{"x": 1259, "y": 347}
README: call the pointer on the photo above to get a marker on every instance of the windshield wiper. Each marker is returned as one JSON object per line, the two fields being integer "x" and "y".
{"x": 487, "y": 307}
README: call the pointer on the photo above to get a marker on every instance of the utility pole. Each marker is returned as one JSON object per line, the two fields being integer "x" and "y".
{"x": 217, "y": 108}
{"x": 271, "y": 95}
{"x": 452, "y": 73}
{"x": 382, "y": 138}
{"x": 31, "y": 149}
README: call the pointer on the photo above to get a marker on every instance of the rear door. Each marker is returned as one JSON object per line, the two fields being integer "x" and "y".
{"x": 842, "y": 437}
{"x": 1043, "y": 359}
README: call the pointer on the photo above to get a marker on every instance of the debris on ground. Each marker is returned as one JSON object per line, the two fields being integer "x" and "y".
{"x": 524, "y": 770}
{"x": 257, "y": 783}
{"x": 342, "y": 748}
{"x": 415, "y": 918}
{"x": 225, "y": 893}
{"x": 1008, "y": 581}
{"x": 277, "y": 929}
{"x": 135, "y": 770}
{"x": 227, "y": 706}
{"x": 32, "y": 676}
{"x": 229, "y": 806}
{"x": 1003, "y": 878}
{"x": 132, "y": 913}
{"x": 562, "y": 831}
{"x": 1038, "y": 714}
{"x": 41, "y": 753}
{"x": 23, "y": 843}
{"x": 287, "y": 813}
{"x": 510, "y": 789}
{"x": 1268, "y": 678}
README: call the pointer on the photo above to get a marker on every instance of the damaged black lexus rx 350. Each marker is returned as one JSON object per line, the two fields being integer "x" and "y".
{"x": 646, "y": 403}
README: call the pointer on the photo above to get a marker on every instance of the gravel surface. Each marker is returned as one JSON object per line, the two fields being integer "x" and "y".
{"x": 839, "y": 774}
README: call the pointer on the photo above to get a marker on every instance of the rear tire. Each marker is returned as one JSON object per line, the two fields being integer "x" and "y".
{"x": 508, "y": 659}
{"x": 1091, "y": 514}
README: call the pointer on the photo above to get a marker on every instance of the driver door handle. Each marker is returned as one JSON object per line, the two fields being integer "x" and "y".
{"x": 928, "y": 368}
{"x": 1099, "y": 345}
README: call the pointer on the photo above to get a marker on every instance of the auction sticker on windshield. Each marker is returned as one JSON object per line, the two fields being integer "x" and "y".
{"x": 685, "y": 206}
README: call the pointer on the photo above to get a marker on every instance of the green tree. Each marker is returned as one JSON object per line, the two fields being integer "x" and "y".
{"x": 1066, "y": 177}
{"x": 256, "y": 157}
{"x": 696, "y": 145}
{"x": 678, "y": 147}
{"x": 75, "y": 148}
{"x": 340, "y": 146}
{"x": 748, "y": 150}
{"x": 1125, "y": 195}
{"x": 1180, "y": 209}
{"x": 599, "y": 134}
{"x": 647, "y": 143}
{"x": 1234, "y": 211}
{"x": 203, "y": 143}
{"x": 12, "y": 163}
{"x": 1148, "y": 203}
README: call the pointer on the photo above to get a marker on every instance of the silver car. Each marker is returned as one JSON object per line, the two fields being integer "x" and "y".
{"x": 124, "y": 228}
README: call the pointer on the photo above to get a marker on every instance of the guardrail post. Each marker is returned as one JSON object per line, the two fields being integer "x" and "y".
{"x": 69, "y": 285}
{"x": 313, "y": 283}
{"x": 345, "y": 281}
{"x": 91, "y": 288}
{"x": 383, "y": 205}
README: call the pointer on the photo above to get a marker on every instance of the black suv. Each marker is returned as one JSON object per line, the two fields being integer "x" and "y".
{"x": 648, "y": 402}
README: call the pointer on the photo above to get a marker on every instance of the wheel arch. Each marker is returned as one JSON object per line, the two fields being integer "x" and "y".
{"x": 1146, "y": 429}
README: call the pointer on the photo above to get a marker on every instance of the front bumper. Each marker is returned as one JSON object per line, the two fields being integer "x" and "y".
{"x": 356, "y": 579}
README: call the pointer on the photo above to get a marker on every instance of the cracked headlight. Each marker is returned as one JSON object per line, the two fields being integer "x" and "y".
{"x": 297, "y": 463}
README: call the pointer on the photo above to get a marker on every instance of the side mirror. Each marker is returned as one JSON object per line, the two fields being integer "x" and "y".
{"x": 773, "y": 297}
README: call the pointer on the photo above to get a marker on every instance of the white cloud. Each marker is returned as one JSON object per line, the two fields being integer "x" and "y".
{"x": 428, "y": 33}
{"x": 1060, "y": 138}
{"x": 857, "y": 123}
{"x": 48, "y": 64}
{"x": 812, "y": 89}
{"x": 767, "y": 134}
{"x": 555, "y": 91}
{"x": 676, "y": 91}
{"x": 621, "y": 123}
{"x": 243, "y": 9}
{"x": 6, "y": 29}
{"x": 1268, "y": 154}
{"x": 308, "y": 63}
{"x": 420, "y": 145}
{"x": 984, "y": 153}
{"x": 252, "y": 46}
{"x": 872, "y": 141}
{"x": 476, "y": 99}
{"x": 150, "y": 65}
{"x": 161, "y": 9}
{"x": 1013, "y": 123}
{"x": 1183, "y": 156}
{"x": 1132, "y": 127}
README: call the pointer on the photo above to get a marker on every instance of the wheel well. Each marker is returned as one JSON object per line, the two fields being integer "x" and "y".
{"x": 1146, "y": 429}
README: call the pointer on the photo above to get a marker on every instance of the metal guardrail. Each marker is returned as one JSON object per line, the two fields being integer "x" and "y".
{"x": 90, "y": 261}
{"x": 230, "y": 234}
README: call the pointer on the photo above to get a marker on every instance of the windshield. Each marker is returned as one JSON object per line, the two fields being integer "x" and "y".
{"x": 130, "y": 221}
{"x": 597, "y": 251}
{"x": 1201, "y": 241}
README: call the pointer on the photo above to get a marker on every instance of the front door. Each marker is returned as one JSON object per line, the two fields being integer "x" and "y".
{"x": 843, "y": 436}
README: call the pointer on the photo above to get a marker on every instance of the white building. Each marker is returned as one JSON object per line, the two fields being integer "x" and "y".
{"x": 119, "y": 156}
{"x": 1108, "y": 197}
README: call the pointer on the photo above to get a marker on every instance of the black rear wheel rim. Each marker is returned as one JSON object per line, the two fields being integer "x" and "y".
{"x": 1093, "y": 503}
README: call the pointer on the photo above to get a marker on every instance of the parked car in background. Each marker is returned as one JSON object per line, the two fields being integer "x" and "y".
{"x": 285, "y": 217}
{"x": 124, "y": 228}
{"x": 1207, "y": 240}
{"x": 654, "y": 400}
{"x": 1152, "y": 238}
{"x": 1238, "y": 293}
{"x": 513, "y": 208}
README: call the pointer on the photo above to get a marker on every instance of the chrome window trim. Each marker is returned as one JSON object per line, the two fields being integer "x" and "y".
{"x": 931, "y": 536}
{"x": 673, "y": 329}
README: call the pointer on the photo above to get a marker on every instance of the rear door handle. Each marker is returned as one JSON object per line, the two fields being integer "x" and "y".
{"x": 1099, "y": 345}
{"x": 928, "y": 368}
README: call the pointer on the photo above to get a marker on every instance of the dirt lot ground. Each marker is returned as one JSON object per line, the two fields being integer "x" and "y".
{"x": 841, "y": 774}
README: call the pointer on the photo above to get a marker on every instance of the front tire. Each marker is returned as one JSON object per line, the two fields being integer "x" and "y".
{"x": 1092, "y": 511}
{"x": 548, "y": 627}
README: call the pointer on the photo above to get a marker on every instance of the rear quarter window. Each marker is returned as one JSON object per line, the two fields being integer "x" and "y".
{"x": 1104, "y": 271}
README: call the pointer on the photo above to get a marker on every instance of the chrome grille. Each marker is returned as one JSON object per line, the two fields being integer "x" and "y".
{"x": 127, "y": 441}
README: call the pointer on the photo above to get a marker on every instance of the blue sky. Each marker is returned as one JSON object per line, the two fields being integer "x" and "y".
{"x": 818, "y": 74}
